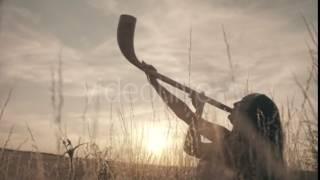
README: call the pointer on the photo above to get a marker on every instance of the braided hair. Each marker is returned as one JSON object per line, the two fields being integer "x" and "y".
{"x": 262, "y": 115}
{"x": 265, "y": 118}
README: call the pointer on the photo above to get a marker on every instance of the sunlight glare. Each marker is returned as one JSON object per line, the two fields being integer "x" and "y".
{"x": 157, "y": 140}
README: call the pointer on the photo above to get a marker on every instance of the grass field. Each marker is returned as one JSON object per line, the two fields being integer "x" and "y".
{"x": 17, "y": 165}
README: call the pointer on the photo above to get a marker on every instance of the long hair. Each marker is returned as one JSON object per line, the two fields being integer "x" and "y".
{"x": 265, "y": 118}
{"x": 260, "y": 125}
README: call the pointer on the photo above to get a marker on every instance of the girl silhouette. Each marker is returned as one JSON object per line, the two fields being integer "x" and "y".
{"x": 252, "y": 150}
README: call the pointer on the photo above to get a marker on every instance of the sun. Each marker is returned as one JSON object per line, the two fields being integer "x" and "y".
{"x": 157, "y": 140}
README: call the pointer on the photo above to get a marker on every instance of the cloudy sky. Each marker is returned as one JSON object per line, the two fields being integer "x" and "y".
{"x": 268, "y": 42}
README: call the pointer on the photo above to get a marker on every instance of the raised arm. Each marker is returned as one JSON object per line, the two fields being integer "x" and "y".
{"x": 193, "y": 144}
{"x": 211, "y": 131}
{"x": 181, "y": 109}
{"x": 208, "y": 130}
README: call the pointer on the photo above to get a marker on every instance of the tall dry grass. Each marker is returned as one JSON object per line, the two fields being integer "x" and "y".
{"x": 302, "y": 137}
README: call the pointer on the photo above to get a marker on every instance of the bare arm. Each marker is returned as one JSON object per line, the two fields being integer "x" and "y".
{"x": 213, "y": 132}
{"x": 203, "y": 127}
{"x": 193, "y": 145}
{"x": 181, "y": 109}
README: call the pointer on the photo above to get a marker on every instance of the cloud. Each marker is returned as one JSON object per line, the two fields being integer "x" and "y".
{"x": 74, "y": 23}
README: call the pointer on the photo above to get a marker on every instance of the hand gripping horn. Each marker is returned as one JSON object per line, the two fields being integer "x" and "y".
{"x": 125, "y": 36}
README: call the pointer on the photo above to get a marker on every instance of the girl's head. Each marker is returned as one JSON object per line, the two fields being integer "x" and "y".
{"x": 259, "y": 112}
